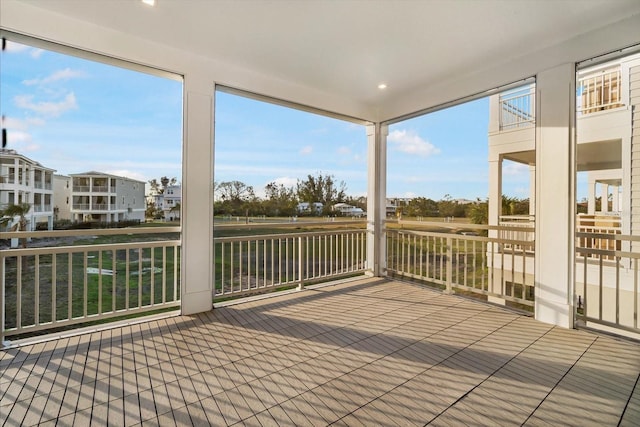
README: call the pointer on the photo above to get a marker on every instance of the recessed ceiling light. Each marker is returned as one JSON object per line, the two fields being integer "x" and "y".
{"x": 149, "y": 2}
{"x": 382, "y": 86}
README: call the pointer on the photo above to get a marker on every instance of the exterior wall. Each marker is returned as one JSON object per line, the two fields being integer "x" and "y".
{"x": 62, "y": 197}
{"x": 26, "y": 181}
{"x": 171, "y": 197}
{"x": 130, "y": 199}
{"x": 107, "y": 198}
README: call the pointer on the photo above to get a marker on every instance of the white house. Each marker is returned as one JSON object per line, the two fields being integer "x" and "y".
{"x": 98, "y": 196}
{"x": 607, "y": 104}
{"x": 347, "y": 210}
{"x": 23, "y": 180}
{"x": 314, "y": 208}
{"x": 169, "y": 202}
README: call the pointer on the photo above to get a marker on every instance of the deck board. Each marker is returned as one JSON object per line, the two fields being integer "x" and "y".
{"x": 368, "y": 352}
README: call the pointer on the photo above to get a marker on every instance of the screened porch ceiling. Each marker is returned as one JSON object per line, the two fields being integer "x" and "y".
{"x": 333, "y": 55}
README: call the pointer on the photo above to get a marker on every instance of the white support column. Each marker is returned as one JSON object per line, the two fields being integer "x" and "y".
{"x": 376, "y": 199}
{"x": 197, "y": 198}
{"x": 591, "y": 205}
{"x": 616, "y": 199}
{"x": 555, "y": 201}
{"x": 604, "y": 197}
{"x": 494, "y": 212}
{"x": 495, "y": 193}
{"x": 532, "y": 188}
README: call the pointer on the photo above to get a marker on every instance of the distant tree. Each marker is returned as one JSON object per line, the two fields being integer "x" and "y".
{"x": 176, "y": 209}
{"x": 152, "y": 210}
{"x": 479, "y": 212}
{"x": 321, "y": 188}
{"x": 421, "y": 206}
{"x": 235, "y": 198}
{"x": 280, "y": 200}
{"x": 514, "y": 206}
{"x": 158, "y": 187}
{"x": 8, "y": 215}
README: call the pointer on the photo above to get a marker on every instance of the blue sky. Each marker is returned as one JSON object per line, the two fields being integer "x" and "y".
{"x": 75, "y": 115}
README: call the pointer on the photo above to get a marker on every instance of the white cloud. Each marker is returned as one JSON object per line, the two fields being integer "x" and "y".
{"x": 515, "y": 169}
{"x": 50, "y": 109}
{"x": 36, "y": 53}
{"x": 304, "y": 151}
{"x": 21, "y": 141}
{"x": 286, "y": 181}
{"x": 65, "y": 74}
{"x": 13, "y": 47}
{"x": 344, "y": 151}
{"x": 19, "y": 124}
{"x": 411, "y": 143}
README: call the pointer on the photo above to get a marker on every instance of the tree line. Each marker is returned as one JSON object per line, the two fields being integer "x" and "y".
{"x": 236, "y": 198}
{"x": 239, "y": 199}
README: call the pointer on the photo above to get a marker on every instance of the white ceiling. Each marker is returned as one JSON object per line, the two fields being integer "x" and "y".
{"x": 346, "y": 48}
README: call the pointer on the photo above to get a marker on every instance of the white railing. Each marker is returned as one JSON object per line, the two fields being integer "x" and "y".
{"x": 81, "y": 188}
{"x": 591, "y": 226}
{"x": 491, "y": 267}
{"x": 252, "y": 264}
{"x": 53, "y": 287}
{"x": 81, "y": 206}
{"x": 607, "y": 280}
{"x": 516, "y": 228}
{"x": 601, "y": 91}
{"x": 518, "y": 108}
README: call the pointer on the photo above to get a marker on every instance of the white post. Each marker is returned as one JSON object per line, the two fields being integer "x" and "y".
{"x": 591, "y": 205}
{"x": 376, "y": 199}
{"x": 555, "y": 190}
{"x": 495, "y": 193}
{"x": 616, "y": 198}
{"x": 532, "y": 188}
{"x": 197, "y": 198}
{"x": 604, "y": 197}
{"x": 495, "y": 211}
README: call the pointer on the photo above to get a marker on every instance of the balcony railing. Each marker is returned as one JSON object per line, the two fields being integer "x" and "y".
{"x": 256, "y": 263}
{"x": 589, "y": 227}
{"x": 598, "y": 92}
{"x": 491, "y": 267}
{"x": 81, "y": 206}
{"x": 518, "y": 109}
{"x": 607, "y": 280}
{"x": 81, "y": 188}
{"x": 53, "y": 287}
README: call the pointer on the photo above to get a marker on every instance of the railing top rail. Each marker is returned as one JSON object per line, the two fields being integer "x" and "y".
{"x": 6, "y": 253}
{"x": 607, "y": 236}
{"x": 289, "y": 224}
{"x": 287, "y": 235}
{"x": 90, "y": 232}
{"x": 466, "y": 237}
{"x": 457, "y": 225}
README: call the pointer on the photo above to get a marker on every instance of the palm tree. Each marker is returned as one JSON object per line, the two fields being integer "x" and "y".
{"x": 8, "y": 214}
{"x": 176, "y": 208}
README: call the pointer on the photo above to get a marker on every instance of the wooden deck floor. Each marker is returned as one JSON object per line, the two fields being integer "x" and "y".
{"x": 370, "y": 352}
